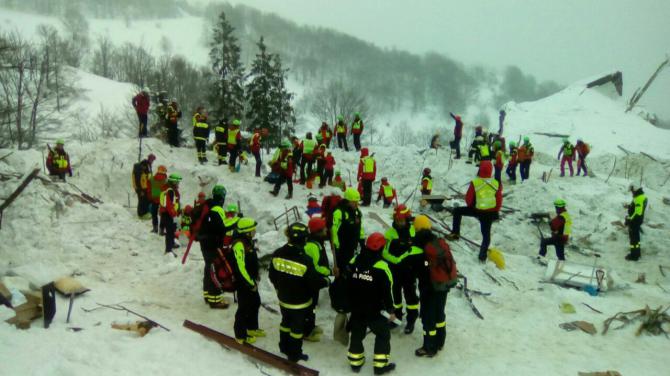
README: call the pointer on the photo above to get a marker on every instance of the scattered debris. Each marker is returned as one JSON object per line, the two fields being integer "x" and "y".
{"x": 139, "y": 327}
{"x": 584, "y": 326}
{"x": 604, "y": 373}
{"x": 492, "y": 277}
{"x": 17, "y": 192}
{"x": 641, "y": 278}
{"x": 119, "y": 307}
{"x": 653, "y": 320}
{"x": 466, "y": 293}
{"x": 566, "y": 307}
{"x": 592, "y": 309}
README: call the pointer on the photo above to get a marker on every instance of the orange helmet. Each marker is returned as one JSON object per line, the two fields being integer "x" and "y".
{"x": 162, "y": 169}
{"x": 402, "y": 212}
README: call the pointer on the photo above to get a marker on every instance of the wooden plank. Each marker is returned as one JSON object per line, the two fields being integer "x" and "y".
{"x": 17, "y": 192}
{"x": 253, "y": 351}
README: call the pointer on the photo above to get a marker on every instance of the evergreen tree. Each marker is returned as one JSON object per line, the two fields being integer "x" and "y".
{"x": 227, "y": 96}
{"x": 269, "y": 100}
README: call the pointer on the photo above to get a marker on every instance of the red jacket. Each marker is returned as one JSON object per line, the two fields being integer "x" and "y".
{"x": 458, "y": 128}
{"x": 171, "y": 203}
{"x": 326, "y": 135}
{"x": 485, "y": 169}
{"x": 512, "y": 157}
{"x": 160, "y": 180}
{"x": 330, "y": 162}
{"x": 285, "y": 156}
{"x": 141, "y": 103}
{"x": 360, "y": 129}
{"x": 381, "y": 193}
{"x": 255, "y": 143}
{"x": 557, "y": 226}
{"x": 58, "y": 154}
{"x": 366, "y": 175}
{"x": 499, "y": 159}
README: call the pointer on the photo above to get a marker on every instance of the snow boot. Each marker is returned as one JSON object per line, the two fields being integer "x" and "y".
{"x": 453, "y": 236}
{"x": 384, "y": 370}
{"x": 289, "y": 196}
{"x": 313, "y": 337}
{"x": 248, "y": 340}
{"x": 274, "y": 193}
{"x": 423, "y": 352}
{"x": 256, "y": 332}
{"x": 356, "y": 369}
{"x": 218, "y": 305}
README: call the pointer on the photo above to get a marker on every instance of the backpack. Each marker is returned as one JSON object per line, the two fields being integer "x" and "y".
{"x": 222, "y": 274}
{"x": 339, "y": 295}
{"x": 137, "y": 175}
{"x": 441, "y": 264}
{"x": 328, "y": 206}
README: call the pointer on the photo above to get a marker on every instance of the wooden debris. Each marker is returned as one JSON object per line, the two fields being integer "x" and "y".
{"x": 641, "y": 278}
{"x": 652, "y": 320}
{"x": 649, "y": 156}
{"x": 119, "y": 307}
{"x": 556, "y": 135}
{"x": 624, "y": 150}
{"x": 584, "y": 326}
{"x": 592, "y": 309}
{"x": 17, "y": 192}
{"x": 79, "y": 197}
{"x": 604, "y": 373}
{"x": 611, "y": 172}
{"x": 139, "y": 327}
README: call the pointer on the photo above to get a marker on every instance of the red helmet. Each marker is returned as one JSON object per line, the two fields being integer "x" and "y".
{"x": 188, "y": 209}
{"x": 402, "y": 212}
{"x": 316, "y": 224}
{"x": 426, "y": 171}
{"x": 162, "y": 169}
{"x": 202, "y": 196}
{"x": 375, "y": 242}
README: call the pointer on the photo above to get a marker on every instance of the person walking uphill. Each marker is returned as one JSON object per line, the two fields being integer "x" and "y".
{"x": 583, "y": 150}
{"x": 458, "y": 133}
{"x": 437, "y": 274}
{"x": 347, "y": 230}
{"x": 367, "y": 172}
{"x": 200, "y": 133}
{"x": 233, "y": 143}
{"x": 484, "y": 200}
{"x": 141, "y": 102}
{"x": 568, "y": 152}
{"x": 370, "y": 291}
{"x": 282, "y": 164}
{"x": 634, "y": 220}
{"x": 293, "y": 275}
{"x": 525, "y": 155}
{"x": 58, "y": 161}
{"x": 357, "y": 130}
{"x": 341, "y": 132}
{"x": 561, "y": 228}
{"x": 140, "y": 182}
{"x": 170, "y": 209}
{"x": 244, "y": 262}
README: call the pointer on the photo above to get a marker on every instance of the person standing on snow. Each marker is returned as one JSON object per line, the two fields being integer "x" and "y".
{"x": 315, "y": 248}
{"x": 426, "y": 182}
{"x": 141, "y": 102}
{"x": 255, "y": 145}
{"x": 356, "y": 130}
{"x": 221, "y": 141}
{"x": 634, "y": 220}
{"x": 328, "y": 171}
{"x": 525, "y": 157}
{"x": 484, "y": 200}
{"x": 282, "y": 164}
{"x": 200, "y": 133}
{"x": 341, "y": 132}
{"x": 295, "y": 279}
{"x": 324, "y": 135}
{"x": 58, "y": 161}
{"x": 140, "y": 182}
{"x": 367, "y": 172}
{"x": 511, "y": 165}
{"x": 233, "y": 143}
{"x": 347, "y": 230}
{"x": 561, "y": 228}
{"x": 499, "y": 160}
{"x": 568, "y": 151}
{"x": 458, "y": 133}
{"x": 170, "y": 209}
{"x": 172, "y": 116}
{"x": 156, "y": 185}
{"x": 583, "y": 150}
{"x": 370, "y": 291}
{"x": 386, "y": 192}
{"x": 307, "y": 148}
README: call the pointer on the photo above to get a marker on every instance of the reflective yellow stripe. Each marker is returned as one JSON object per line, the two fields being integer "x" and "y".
{"x": 284, "y": 329}
{"x": 441, "y": 324}
{"x": 289, "y": 267}
{"x": 397, "y": 306}
{"x": 201, "y": 125}
{"x": 296, "y": 306}
{"x": 356, "y": 359}
{"x": 296, "y": 335}
{"x": 412, "y": 306}
{"x": 567, "y": 228}
{"x": 382, "y": 356}
{"x": 485, "y": 192}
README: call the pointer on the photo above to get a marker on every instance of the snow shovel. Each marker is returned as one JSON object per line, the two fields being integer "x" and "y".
{"x": 340, "y": 332}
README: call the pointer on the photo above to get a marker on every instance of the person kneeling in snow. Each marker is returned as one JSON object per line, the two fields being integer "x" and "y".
{"x": 387, "y": 192}
{"x": 561, "y": 227}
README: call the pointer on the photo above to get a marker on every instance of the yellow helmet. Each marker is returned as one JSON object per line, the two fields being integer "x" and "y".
{"x": 421, "y": 222}
{"x": 497, "y": 257}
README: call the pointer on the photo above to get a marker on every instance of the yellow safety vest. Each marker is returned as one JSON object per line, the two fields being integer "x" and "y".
{"x": 60, "y": 161}
{"x": 429, "y": 186}
{"x": 368, "y": 164}
{"x": 567, "y": 228}
{"x": 388, "y": 191}
{"x": 308, "y": 146}
{"x": 484, "y": 151}
{"x": 163, "y": 200}
{"x": 356, "y": 125}
{"x": 339, "y": 128}
{"x": 232, "y": 136}
{"x": 485, "y": 192}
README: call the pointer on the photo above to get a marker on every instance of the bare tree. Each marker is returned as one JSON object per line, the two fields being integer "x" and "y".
{"x": 334, "y": 99}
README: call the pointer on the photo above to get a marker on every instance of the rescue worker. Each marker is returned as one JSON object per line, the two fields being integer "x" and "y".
{"x": 525, "y": 157}
{"x": 399, "y": 255}
{"x": 356, "y": 130}
{"x": 58, "y": 161}
{"x": 255, "y": 146}
{"x": 561, "y": 228}
{"x": 295, "y": 279}
{"x": 324, "y": 135}
{"x": 282, "y": 164}
{"x": 426, "y": 182}
{"x": 315, "y": 248}
{"x": 484, "y": 200}
{"x": 307, "y": 148}
{"x": 367, "y": 171}
{"x": 185, "y": 222}
{"x": 320, "y": 156}
{"x": 347, "y": 230}
{"x": 433, "y": 294}
{"x": 583, "y": 150}
{"x": 156, "y": 185}
{"x": 170, "y": 209}
{"x": 499, "y": 160}
{"x": 634, "y": 220}
{"x": 172, "y": 116}
{"x": 140, "y": 181}
{"x": 338, "y": 182}
{"x": 296, "y": 154}
{"x": 341, "y": 132}
{"x": 244, "y": 262}
{"x": 386, "y": 192}
{"x": 328, "y": 169}
{"x": 200, "y": 133}
{"x": 221, "y": 139}
{"x": 458, "y": 133}
{"x": 141, "y": 102}
{"x": 211, "y": 237}
{"x": 568, "y": 152}
{"x": 511, "y": 165}
{"x": 233, "y": 143}
{"x": 370, "y": 292}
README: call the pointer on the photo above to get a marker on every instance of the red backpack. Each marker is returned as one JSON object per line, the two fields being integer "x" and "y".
{"x": 443, "y": 271}
{"x": 222, "y": 274}
{"x": 328, "y": 205}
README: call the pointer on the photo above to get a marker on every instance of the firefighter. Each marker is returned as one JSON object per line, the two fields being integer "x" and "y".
{"x": 324, "y": 135}
{"x": 58, "y": 161}
{"x": 568, "y": 152}
{"x": 511, "y": 165}
{"x": 293, "y": 275}
{"x": 370, "y": 292}
{"x": 357, "y": 129}
{"x": 255, "y": 146}
{"x": 367, "y": 171}
{"x": 221, "y": 140}
{"x": 282, "y": 164}
{"x": 200, "y": 133}
{"x": 561, "y": 228}
{"x": 341, "y": 132}
{"x": 211, "y": 236}
{"x": 634, "y": 220}
{"x": 156, "y": 185}
{"x": 172, "y": 116}
{"x": 140, "y": 181}
{"x": 398, "y": 248}
{"x": 479, "y": 150}
{"x": 320, "y": 156}
{"x": 307, "y": 148}
{"x": 169, "y": 210}
{"x": 426, "y": 182}
{"x": 386, "y": 192}
{"x": 483, "y": 199}
{"x": 525, "y": 157}
{"x": 328, "y": 169}
{"x": 233, "y": 143}
{"x": 315, "y": 248}
{"x": 244, "y": 261}
{"x": 499, "y": 153}
{"x": 338, "y": 182}
{"x": 347, "y": 230}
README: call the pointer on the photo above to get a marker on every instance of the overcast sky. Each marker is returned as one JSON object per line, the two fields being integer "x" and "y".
{"x": 561, "y": 40}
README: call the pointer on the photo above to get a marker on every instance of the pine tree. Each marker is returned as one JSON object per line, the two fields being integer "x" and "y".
{"x": 227, "y": 96}
{"x": 269, "y": 100}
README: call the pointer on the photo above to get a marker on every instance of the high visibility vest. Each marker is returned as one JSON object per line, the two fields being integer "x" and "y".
{"x": 340, "y": 128}
{"x": 219, "y": 210}
{"x": 308, "y": 146}
{"x": 59, "y": 160}
{"x": 485, "y": 192}
{"x": 156, "y": 187}
{"x": 202, "y": 127}
{"x": 388, "y": 191}
{"x": 567, "y": 228}
{"x": 368, "y": 164}
{"x": 429, "y": 186}
{"x": 163, "y": 201}
{"x": 568, "y": 150}
{"x": 284, "y": 162}
{"x": 232, "y": 136}
{"x": 484, "y": 151}
{"x": 356, "y": 125}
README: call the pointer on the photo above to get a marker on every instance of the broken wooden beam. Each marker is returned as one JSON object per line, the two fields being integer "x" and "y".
{"x": 649, "y": 156}
{"x": 253, "y": 351}
{"x": 556, "y": 135}
{"x": 623, "y": 149}
{"x": 18, "y": 191}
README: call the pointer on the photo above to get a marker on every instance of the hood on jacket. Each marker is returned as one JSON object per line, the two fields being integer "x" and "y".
{"x": 364, "y": 152}
{"x": 485, "y": 169}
